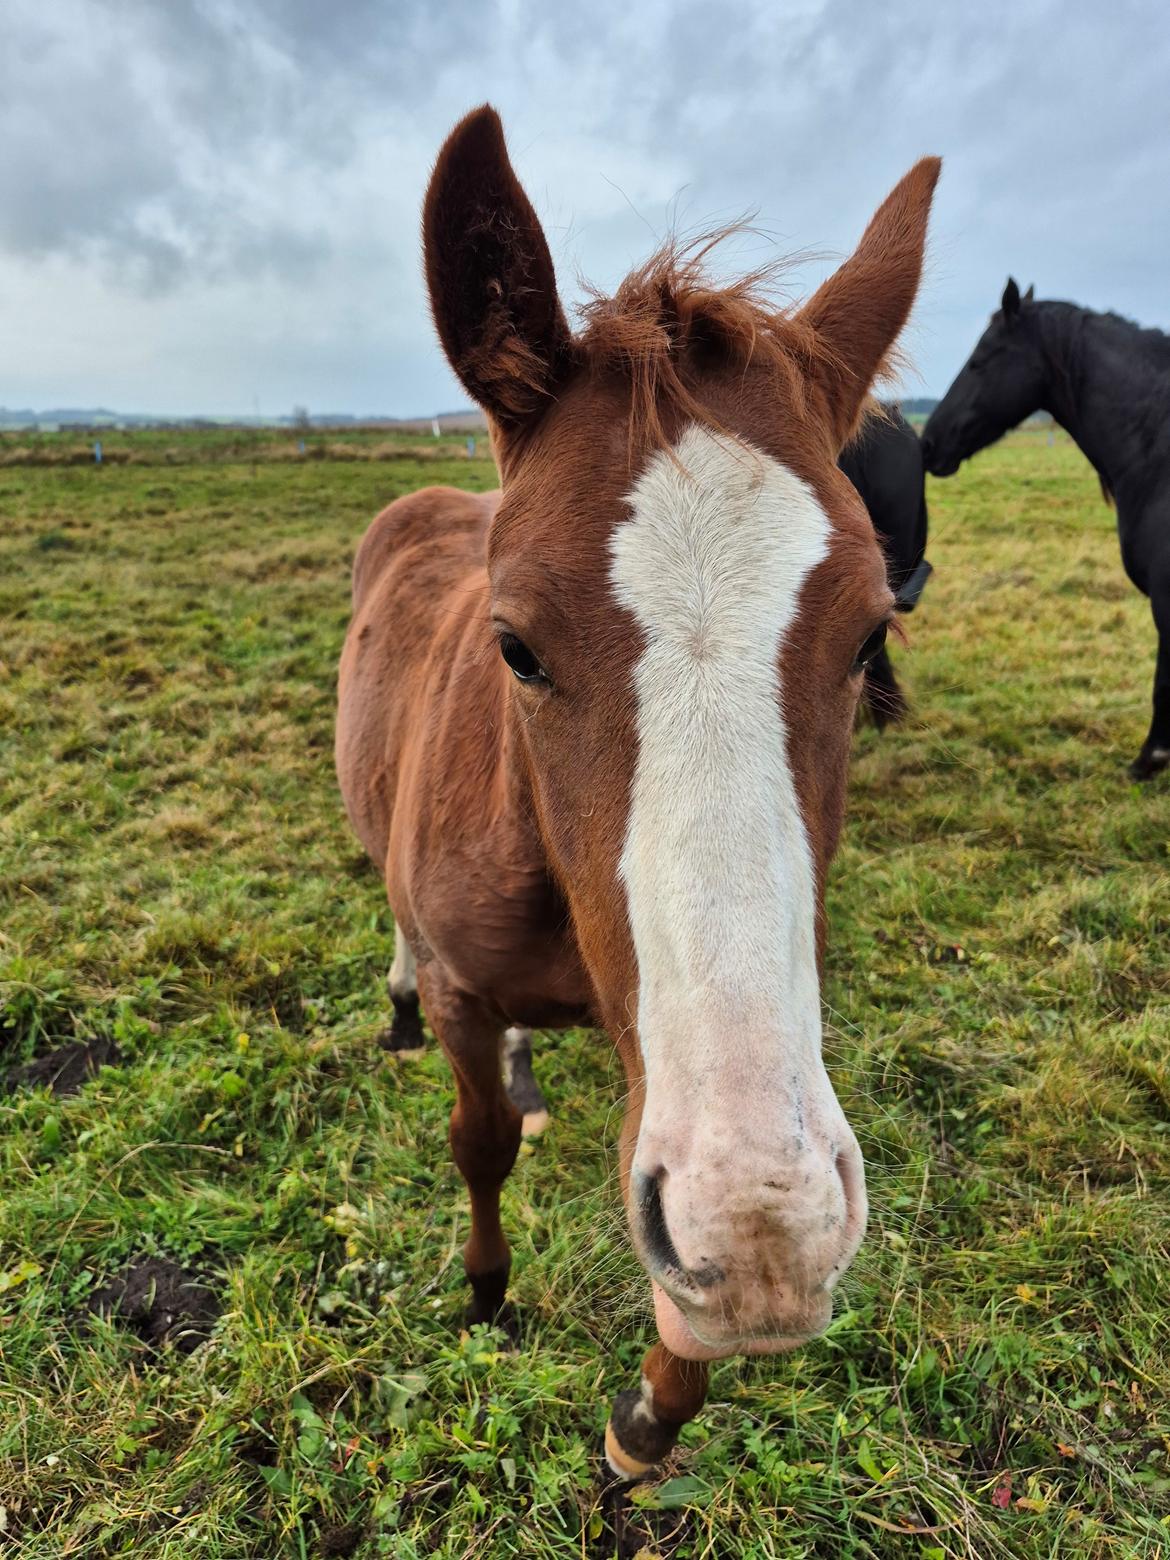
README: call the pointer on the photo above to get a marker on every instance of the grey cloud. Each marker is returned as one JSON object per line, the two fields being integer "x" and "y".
{"x": 134, "y": 132}
{"x": 211, "y": 170}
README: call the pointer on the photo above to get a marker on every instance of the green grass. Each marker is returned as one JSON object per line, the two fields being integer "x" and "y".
{"x": 177, "y": 878}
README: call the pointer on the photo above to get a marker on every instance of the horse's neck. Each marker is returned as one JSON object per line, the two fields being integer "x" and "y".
{"x": 1093, "y": 392}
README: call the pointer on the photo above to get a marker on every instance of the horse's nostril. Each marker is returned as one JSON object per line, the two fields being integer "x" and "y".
{"x": 852, "y": 1177}
{"x": 660, "y": 1249}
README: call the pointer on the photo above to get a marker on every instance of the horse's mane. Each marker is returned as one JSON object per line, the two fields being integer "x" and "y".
{"x": 1153, "y": 342}
{"x": 669, "y": 316}
{"x": 1069, "y": 330}
{"x": 1069, "y": 333}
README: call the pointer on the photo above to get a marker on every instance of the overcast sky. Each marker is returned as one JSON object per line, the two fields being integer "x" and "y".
{"x": 213, "y": 205}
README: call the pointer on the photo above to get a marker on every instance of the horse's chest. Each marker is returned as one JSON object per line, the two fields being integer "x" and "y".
{"x": 498, "y": 930}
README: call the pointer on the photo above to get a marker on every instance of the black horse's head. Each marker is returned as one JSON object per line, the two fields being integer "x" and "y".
{"x": 1000, "y": 384}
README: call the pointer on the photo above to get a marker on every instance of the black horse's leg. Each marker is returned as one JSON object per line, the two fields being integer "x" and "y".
{"x": 1155, "y": 753}
{"x": 884, "y": 698}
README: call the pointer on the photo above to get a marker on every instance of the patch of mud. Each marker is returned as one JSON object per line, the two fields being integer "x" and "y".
{"x": 161, "y": 1302}
{"x": 63, "y": 1070}
{"x": 342, "y": 1540}
{"x": 629, "y": 1530}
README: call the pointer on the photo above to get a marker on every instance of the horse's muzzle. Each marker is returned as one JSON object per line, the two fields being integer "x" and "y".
{"x": 945, "y": 451}
{"x": 745, "y": 1239}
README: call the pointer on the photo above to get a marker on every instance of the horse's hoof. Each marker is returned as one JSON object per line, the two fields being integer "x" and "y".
{"x": 636, "y": 1440}
{"x": 621, "y": 1464}
{"x": 388, "y": 1041}
{"x": 489, "y": 1304}
{"x": 505, "y": 1317}
{"x": 534, "y": 1123}
{"x": 405, "y": 1038}
{"x": 1146, "y": 765}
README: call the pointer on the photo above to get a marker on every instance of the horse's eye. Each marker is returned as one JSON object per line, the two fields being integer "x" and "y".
{"x": 870, "y": 648}
{"x": 520, "y": 660}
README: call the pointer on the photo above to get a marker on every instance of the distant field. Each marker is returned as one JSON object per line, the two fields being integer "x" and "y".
{"x": 227, "y": 446}
{"x": 182, "y": 899}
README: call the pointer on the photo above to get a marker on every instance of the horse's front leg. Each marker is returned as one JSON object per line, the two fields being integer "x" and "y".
{"x": 644, "y": 1422}
{"x": 485, "y": 1130}
{"x": 405, "y": 1036}
{"x": 520, "y": 1082}
{"x": 1155, "y": 753}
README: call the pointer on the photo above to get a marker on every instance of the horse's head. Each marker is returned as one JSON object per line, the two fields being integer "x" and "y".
{"x": 1000, "y": 384}
{"x": 685, "y": 591}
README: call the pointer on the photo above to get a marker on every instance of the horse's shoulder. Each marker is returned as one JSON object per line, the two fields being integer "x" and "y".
{"x": 429, "y": 517}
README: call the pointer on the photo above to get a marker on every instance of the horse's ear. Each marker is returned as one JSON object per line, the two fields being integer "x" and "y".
{"x": 1030, "y": 295}
{"x": 860, "y": 311}
{"x": 490, "y": 275}
{"x": 1010, "y": 302}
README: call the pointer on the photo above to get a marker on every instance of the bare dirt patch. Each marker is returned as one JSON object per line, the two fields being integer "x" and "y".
{"x": 161, "y": 1302}
{"x": 65, "y": 1069}
{"x": 630, "y": 1530}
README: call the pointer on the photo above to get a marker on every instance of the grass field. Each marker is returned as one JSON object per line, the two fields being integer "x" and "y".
{"x": 183, "y": 900}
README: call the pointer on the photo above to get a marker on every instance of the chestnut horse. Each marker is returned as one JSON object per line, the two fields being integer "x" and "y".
{"x": 594, "y": 730}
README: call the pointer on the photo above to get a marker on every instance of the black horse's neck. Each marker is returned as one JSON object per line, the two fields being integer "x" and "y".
{"x": 1107, "y": 382}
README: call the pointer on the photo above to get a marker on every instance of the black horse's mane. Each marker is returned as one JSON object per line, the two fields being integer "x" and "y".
{"x": 1069, "y": 332}
{"x": 1070, "y": 335}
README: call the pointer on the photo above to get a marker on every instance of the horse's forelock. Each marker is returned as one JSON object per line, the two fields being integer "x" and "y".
{"x": 669, "y": 317}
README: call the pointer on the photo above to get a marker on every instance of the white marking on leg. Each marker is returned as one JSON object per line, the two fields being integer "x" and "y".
{"x": 402, "y": 983}
{"x": 403, "y": 978}
{"x": 644, "y": 1408}
{"x": 517, "y": 1042}
{"x": 518, "y": 1048}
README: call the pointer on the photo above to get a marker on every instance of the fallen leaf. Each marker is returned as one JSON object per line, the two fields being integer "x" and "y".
{"x": 20, "y": 1274}
{"x": 1001, "y": 1495}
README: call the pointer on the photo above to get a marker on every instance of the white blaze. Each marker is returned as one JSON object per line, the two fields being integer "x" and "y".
{"x": 716, "y": 863}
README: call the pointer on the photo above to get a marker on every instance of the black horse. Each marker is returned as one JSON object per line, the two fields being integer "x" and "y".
{"x": 1107, "y": 381}
{"x": 884, "y": 464}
